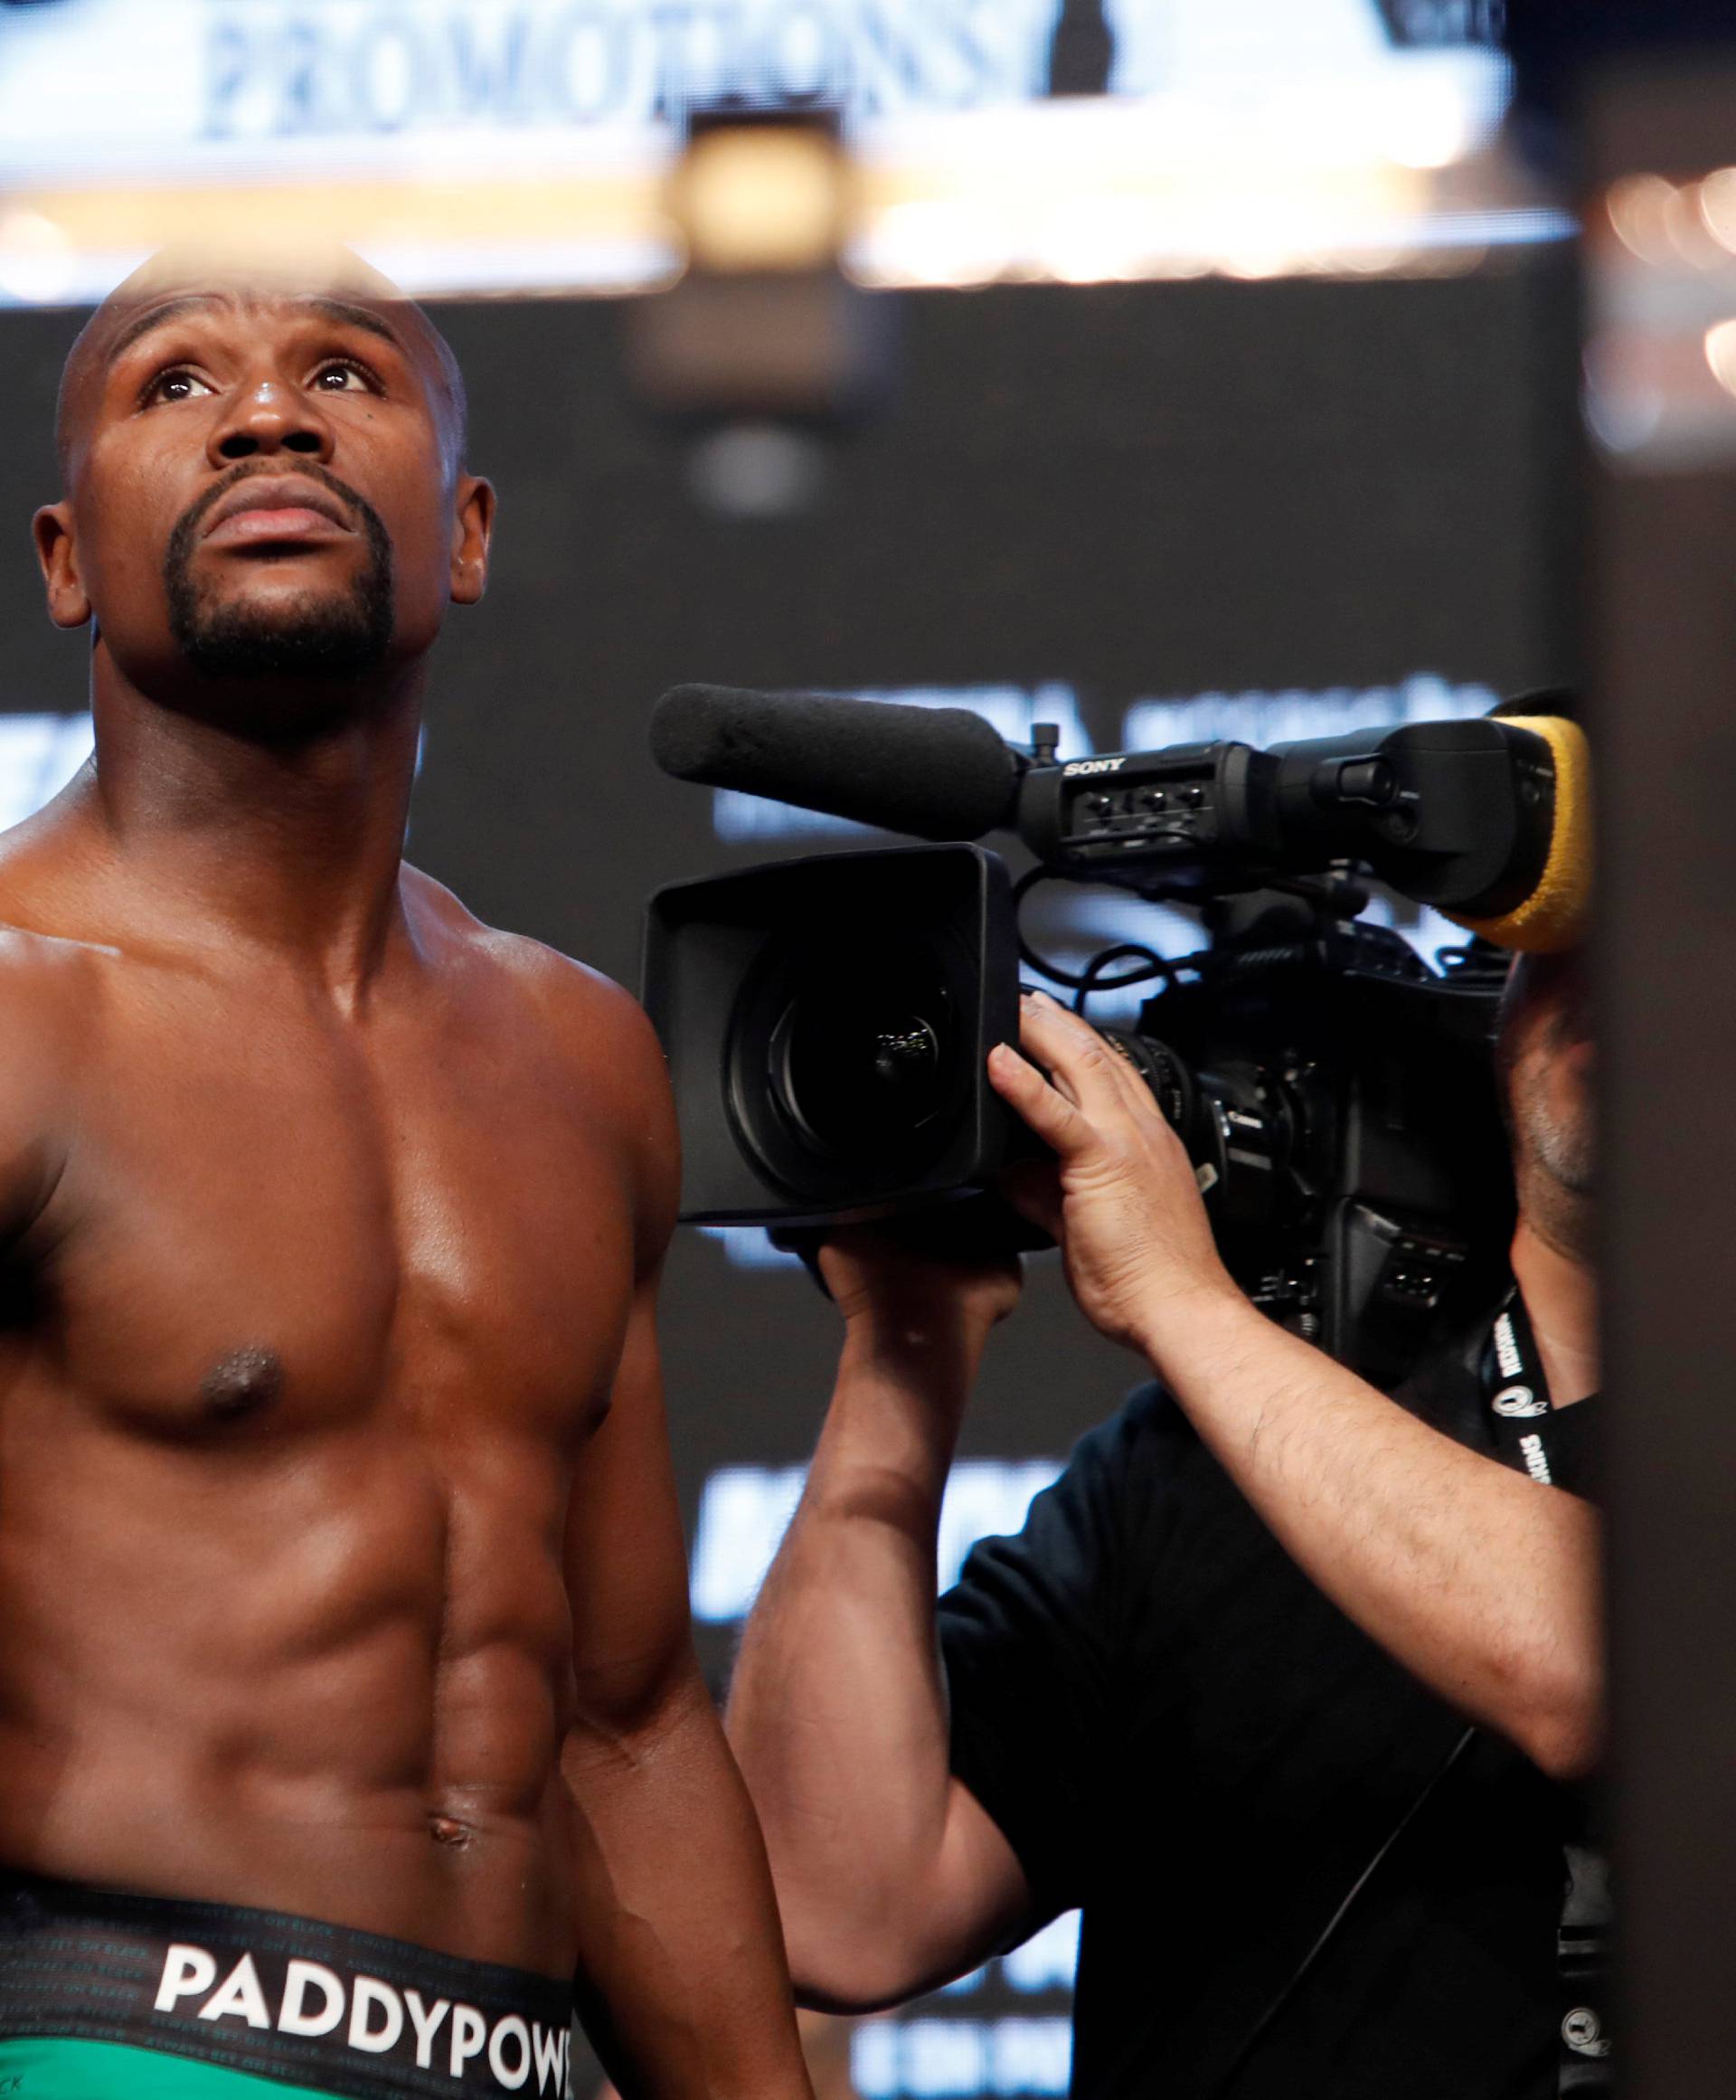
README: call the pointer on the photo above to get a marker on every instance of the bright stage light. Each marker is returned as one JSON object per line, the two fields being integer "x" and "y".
{"x": 772, "y": 196}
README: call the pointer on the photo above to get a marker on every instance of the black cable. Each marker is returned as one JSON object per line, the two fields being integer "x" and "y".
{"x": 1152, "y": 965}
{"x": 1262, "y": 2026}
{"x": 1084, "y": 982}
{"x": 1027, "y": 954}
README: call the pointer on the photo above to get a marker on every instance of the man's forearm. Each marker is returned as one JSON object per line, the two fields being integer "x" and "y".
{"x": 682, "y": 1983}
{"x": 837, "y": 1710}
{"x": 1480, "y": 1581}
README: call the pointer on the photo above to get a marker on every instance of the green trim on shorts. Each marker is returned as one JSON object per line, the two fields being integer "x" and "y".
{"x": 55, "y": 2068}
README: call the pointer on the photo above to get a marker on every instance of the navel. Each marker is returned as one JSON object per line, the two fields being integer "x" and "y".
{"x": 448, "y": 1831}
{"x": 244, "y": 1381}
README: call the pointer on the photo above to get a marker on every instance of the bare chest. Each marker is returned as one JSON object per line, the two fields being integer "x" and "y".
{"x": 267, "y": 1219}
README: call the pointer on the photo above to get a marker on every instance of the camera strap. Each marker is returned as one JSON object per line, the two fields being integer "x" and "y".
{"x": 1516, "y": 1389}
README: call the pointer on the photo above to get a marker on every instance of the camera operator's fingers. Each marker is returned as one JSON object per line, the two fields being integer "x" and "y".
{"x": 1061, "y": 1123}
{"x": 1081, "y": 1062}
{"x": 1120, "y": 1077}
{"x": 1132, "y": 1232}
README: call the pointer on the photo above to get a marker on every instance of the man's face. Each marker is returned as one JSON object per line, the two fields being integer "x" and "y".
{"x": 262, "y": 485}
{"x": 1546, "y": 1062}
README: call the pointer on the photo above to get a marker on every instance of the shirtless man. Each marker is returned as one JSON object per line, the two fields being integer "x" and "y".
{"x": 349, "y": 1721}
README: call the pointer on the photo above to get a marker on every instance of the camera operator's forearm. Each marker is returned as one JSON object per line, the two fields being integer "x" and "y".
{"x": 837, "y": 1711}
{"x": 1483, "y": 1583}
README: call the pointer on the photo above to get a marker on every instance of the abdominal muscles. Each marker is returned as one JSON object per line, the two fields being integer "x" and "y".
{"x": 327, "y": 1675}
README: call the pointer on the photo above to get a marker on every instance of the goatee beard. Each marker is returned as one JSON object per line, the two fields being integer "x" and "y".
{"x": 341, "y": 638}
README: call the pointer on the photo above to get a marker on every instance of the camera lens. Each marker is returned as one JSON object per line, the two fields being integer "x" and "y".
{"x": 849, "y": 1070}
{"x": 1170, "y": 1081}
{"x": 854, "y": 1061}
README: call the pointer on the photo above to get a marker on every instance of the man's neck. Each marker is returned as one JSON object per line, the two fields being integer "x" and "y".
{"x": 1561, "y": 1295}
{"x": 288, "y": 843}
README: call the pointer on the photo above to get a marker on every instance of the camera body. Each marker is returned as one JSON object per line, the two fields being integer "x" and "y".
{"x": 1337, "y": 1098}
{"x": 828, "y": 1022}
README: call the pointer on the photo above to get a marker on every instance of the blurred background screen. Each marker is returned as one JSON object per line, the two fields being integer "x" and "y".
{"x": 1197, "y": 368}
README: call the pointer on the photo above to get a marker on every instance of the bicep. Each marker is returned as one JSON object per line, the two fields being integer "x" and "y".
{"x": 625, "y": 1559}
{"x": 625, "y": 1556}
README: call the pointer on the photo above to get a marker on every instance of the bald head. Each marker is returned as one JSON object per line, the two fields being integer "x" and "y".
{"x": 176, "y": 280}
{"x": 264, "y": 486}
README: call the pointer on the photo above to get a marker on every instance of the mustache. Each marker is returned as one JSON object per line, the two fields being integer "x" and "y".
{"x": 320, "y": 641}
{"x": 186, "y": 526}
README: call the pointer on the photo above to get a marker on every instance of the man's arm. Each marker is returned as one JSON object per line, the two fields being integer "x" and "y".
{"x": 682, "y": 1981}
{"x": 891, "y": 1878}
{"x": 1482, "y": 1583}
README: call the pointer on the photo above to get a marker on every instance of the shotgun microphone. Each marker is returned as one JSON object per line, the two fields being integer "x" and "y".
{"x": 935, "y": 772}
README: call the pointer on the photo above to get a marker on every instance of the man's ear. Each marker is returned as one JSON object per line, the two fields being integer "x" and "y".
{"x": 473, "y": 525}
{"x": 52, "y": 527}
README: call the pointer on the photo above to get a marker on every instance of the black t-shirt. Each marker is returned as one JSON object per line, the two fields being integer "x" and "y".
{"x": 1177, "y": 1732}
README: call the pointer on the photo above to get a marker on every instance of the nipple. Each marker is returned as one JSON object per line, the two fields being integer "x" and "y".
{"x": 243, "y": 1382}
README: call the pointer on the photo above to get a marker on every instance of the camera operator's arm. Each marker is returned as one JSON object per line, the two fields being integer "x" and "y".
{"x": 890, "y": 1876}
{"x": 1480, "y": 1582}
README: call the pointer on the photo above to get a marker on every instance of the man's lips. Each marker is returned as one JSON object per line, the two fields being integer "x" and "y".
{"x": 275, "y": 509}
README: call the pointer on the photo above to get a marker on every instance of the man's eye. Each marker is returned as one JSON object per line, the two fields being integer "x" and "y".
{"x": 342, "y": 375}
{"x": 177, "y": 385}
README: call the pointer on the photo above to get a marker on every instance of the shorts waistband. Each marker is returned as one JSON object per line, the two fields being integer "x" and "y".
{"x": 350, "y": 2013}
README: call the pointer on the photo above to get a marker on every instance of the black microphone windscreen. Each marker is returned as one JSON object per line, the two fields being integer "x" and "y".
{"x": 936, "y": 772}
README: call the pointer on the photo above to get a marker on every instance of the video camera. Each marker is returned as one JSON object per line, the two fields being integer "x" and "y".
{"x": 827, "y": 1019}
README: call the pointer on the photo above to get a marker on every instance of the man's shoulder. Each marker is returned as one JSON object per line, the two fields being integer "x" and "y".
{"x": 1149, "y": 1424}
{"x": 59, "y": 951}
{"x": 51, "y": 993}
{"x": 50, "y": 982}
{"x": 603, "y": 1049}
{"x": 1444, "y": 1386}
{"x": 569, "y": 997}
{"x": 1133, "y": 1461}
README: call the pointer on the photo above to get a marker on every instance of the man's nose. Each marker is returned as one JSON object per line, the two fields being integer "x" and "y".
{"x": 266, "y": 417}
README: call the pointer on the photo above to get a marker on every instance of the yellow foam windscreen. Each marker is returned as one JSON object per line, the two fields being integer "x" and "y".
{"x": 1553, "y": 916}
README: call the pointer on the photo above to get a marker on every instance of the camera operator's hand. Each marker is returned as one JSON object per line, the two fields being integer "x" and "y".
{"x": 1122, "y": 1199}
{"x": 914, "y": 1318}
{"x": 879, "y": 1282}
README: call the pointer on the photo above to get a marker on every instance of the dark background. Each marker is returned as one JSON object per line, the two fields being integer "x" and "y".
{"x": 1138, "y": 490}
